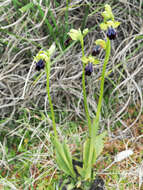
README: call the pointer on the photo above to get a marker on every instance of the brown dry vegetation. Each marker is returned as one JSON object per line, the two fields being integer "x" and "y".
{"x": 25, "y": 149}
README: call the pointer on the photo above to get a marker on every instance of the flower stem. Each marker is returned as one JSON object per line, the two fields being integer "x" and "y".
{"x": 84, "y": 92}
{"x": 49, "y": 98}
{"x": 96, "y": 120}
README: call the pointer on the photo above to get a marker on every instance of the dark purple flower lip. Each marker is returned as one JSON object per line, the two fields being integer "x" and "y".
{"x": 68, "y": 41}
{"x": 40, "y": 65}
{"x": 96, "y": 50}
{"x": 111, "y": 33}
{"x": 89, "y": 69}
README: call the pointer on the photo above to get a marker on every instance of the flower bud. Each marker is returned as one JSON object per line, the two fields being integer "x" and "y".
{"x": 89, "y": 69}
{"x": 111, "y": 33}
{"x": 40, "y": 65}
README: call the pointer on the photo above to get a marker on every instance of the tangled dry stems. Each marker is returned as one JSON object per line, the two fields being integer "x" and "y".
{"x": 17, "y": 70}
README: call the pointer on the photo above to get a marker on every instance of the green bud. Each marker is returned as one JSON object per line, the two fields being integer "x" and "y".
{"x": 52, "y": 49}
{"x": 85, "y": 31}
{"x": 75, "y": 34}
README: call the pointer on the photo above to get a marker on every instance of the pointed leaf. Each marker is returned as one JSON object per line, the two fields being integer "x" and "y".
{"x": 69, "y": 158}
{"x": 63, "y": 158}
{"x": 99, "y": 145}
{"x": 61, "y": 163}
{"x": 87, "y": 158}
{"x": 86, "y": 147}
{"x": 60, "y": 156}
{"x": 79, "y": 170}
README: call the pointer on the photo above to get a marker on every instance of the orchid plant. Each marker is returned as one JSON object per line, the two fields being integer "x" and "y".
{"x": 94, "y": 143}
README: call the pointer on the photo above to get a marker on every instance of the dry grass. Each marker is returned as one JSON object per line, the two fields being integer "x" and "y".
{"x": 23, "y": 102}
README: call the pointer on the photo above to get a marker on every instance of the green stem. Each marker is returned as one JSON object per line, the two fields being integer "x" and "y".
{"x": 49, "y": 97}
{"x": 96, "y": 120}
{"x": 84, "y": 92}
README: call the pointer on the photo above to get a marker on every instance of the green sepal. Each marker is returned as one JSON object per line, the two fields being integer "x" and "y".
{"x": 90, "y": 59}
{"x": 93, "y": 60}
{"x": 110, "y": 23}
{"x": 85, "y": 32}
{"x": 52, "y": 49}
{"x": 116, "y": 24}
{"x": 85, "y": 60}
{"x": 103, "y": 26}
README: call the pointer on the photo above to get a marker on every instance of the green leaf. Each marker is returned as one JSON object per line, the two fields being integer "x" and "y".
{"x": 68, "y": 157}
{"x": 60, "y": 157}
{"x": 61, "y": 163}
{"x": 26, "y": 7}
{"x": 87, "y": 158}
{"x": 98, "y": 145}
{"x": 79, "y": 170}
{"x": 63, "y": 158}
{"x": 86, "y": 152}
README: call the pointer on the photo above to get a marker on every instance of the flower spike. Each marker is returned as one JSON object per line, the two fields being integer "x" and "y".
{"x": 109, "y": 20}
